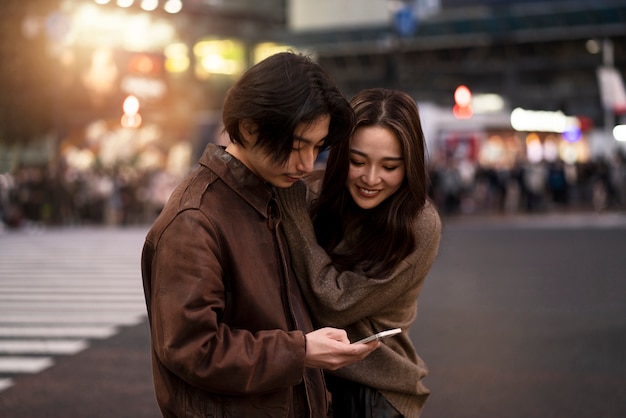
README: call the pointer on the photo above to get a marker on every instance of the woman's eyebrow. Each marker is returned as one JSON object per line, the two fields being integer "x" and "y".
{"x": 362, "y": 154}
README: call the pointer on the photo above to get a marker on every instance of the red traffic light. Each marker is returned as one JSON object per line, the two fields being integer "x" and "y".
{"x": 462, "y": 103}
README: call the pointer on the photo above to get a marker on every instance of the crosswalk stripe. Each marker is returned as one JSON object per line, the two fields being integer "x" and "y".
{"x": 62, "y": 288}
{"x": 42, "y": 346}
{"x": 109, "y": 318}
{"x": 58, "y": 331}
{"x": 5, "y": 384}
{"x": 51, "y": 271}
{"x": 79, "y": 305}
{"x": 110, "y": 285}
{"x": 68, "y": 294}
{"x": 15, "y": 364}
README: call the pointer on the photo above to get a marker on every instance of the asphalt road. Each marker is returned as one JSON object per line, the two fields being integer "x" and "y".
{"x": 520, "y": 317}
{"x": 526, "y": 317}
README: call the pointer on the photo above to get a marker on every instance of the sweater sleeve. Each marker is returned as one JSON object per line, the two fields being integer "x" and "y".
{"x": 341, "y": 298}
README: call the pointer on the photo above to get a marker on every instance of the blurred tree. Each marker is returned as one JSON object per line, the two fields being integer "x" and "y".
{"x": 27, "y": 72}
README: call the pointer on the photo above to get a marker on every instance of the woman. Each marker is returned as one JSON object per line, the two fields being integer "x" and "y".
{"x": 378, "y": 237}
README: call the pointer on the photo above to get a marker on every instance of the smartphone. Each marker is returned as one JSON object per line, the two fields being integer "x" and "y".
{"x": 379, "y": 335}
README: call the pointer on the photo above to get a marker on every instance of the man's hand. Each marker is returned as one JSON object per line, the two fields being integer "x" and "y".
{"x": 329, "y": 348}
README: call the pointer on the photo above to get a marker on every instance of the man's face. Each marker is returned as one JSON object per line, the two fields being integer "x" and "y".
{"x": 308, "y": 140}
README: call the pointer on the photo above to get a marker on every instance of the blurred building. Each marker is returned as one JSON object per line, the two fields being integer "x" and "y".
{"x": 179, "y": 57}
{"x": 549, "y": 56}
{"x": 498, "y": 82}
{"x": 541, "y": 55}
{"x": 561, "y": 59}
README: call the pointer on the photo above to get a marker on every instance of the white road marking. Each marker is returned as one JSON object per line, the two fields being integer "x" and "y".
{"x": 58, "y": 331}
{"x": 53, "y": 347}
{"x": 61, "y": 288}
{"x": 5, "y": 384}
{"x": 24, "y": 364}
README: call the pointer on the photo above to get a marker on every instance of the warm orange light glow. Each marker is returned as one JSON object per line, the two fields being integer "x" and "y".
{"x": 173, "y": 6}
{"x": 131, "y": 121}
{"x": 142, "y": 64}
{"x": 131, "y": 117}
{"x": 131, "y": 105}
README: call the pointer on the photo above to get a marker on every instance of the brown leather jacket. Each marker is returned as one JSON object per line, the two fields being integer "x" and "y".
{"x": 226, "y": 315}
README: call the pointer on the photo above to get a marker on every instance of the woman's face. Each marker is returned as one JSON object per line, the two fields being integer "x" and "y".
{"x": 376, "y": 166}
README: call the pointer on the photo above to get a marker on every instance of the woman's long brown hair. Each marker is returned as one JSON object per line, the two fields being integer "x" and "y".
{"x": 379, "y": 238}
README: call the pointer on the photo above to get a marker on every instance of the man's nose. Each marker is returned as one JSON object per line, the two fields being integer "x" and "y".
{"x": 306, "y": 160}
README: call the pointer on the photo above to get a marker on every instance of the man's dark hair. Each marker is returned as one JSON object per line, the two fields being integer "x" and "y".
{"x": 278, "y": 94}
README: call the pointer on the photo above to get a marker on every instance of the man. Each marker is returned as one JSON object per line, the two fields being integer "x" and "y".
{"x": 230, "y": 332}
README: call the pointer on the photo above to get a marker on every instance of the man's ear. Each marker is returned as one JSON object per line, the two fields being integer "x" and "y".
{"x": 249, "y": 131}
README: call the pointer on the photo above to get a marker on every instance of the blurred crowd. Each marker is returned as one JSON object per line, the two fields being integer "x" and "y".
{"x": 38, "y": 196}
{"x": 462, "y": 187}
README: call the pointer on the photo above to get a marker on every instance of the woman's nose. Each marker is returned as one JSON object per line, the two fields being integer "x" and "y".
{"x": 370, "y": 176}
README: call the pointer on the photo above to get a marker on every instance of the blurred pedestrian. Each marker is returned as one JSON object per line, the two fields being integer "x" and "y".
{"x": 231, "y": 335}
{"x": 378, "y": 237}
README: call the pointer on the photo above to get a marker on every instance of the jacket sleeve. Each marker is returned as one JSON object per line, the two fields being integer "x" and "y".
{"x": 341, "y": 298}
{"x": 187, "y": 304}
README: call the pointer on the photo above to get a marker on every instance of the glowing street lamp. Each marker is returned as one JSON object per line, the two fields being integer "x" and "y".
{"x": 131, "y": 117}
{"x": 173, "y": 6}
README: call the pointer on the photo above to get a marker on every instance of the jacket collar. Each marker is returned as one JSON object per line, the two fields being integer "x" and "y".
{"x": 238, "y": 177}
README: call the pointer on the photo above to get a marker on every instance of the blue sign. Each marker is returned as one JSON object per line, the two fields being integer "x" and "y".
{"x": 572, "y": 134}
{"x": 404, "y": 20}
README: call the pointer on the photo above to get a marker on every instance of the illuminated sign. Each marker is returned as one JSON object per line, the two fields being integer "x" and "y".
{"x": 219, "y": 56}
{"x": 542, "y": 121}
{"x": 147, "y": 88}
{"x": 619, "y": 133}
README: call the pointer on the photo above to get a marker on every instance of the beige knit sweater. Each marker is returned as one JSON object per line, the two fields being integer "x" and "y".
{"x": 363, "y": 305}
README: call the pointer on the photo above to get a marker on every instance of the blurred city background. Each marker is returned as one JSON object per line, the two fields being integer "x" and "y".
{"x": 106, "y": 104}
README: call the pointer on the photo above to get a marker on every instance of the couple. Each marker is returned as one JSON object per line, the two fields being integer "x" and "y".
{"x": 256, "y": 283}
